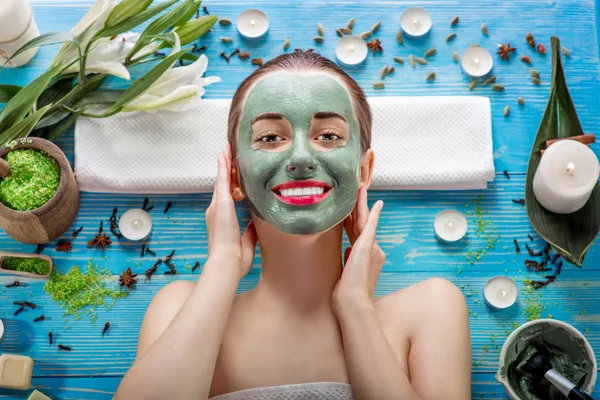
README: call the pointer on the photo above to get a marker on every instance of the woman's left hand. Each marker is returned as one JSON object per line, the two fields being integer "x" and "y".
{"x": 364, "y": 259}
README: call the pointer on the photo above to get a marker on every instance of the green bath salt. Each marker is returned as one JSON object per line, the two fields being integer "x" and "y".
{"x": 36, "y": 266}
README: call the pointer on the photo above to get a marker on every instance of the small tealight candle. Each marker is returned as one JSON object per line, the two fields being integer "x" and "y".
{"x": 1, "y": 329}
{"x": 135, "y": 224}
{"x": 476, "y": 61}
{"x": 450, "y": 226}
{"x": 17, "y": 27}
{"x": 415, "y": 21}
{"x": 500, "y": 292}
{"x": 566, "y": 176}
{"x": 351, "y": 50}
{"x": 252, "y": 23}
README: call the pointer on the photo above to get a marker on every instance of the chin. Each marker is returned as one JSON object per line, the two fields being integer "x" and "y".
{"x": 303, "y": 227}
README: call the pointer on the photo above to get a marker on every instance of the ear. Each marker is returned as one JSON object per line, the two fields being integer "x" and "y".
{"x": 237, "y": 192}
{"x": 366, "y": 168}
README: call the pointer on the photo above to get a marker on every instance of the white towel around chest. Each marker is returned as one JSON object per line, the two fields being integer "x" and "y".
{"x": 427, "y": 143}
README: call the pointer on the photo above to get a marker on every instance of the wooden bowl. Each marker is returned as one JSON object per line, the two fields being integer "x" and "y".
{"x": 4, "y": 254}
{"x": 54, "y": 218}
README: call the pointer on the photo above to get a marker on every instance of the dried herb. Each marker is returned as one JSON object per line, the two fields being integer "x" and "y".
{"x": 430, "y": 52}
{"x": 559, "y": 268}
{"x": 375, "y": 46}
{"x": 150, "y": 271}
{"x": 169, "y": 257}
{"x": 50, "y": 338}
{"x": 555, "y": 257}
{"x": 399, "y": 37}
{"x": 530, "y": 40}
{"x": 430, "y": 77}
{"x": 101, "y": 240}
{"x": 24, "y": 304}
{"x": 504, "y": 51}
{"x": 32, "y": 265}
{"x": 365, "y": 35}
{"x": 113, "y": 229}
{"x": 541, "y": 49}
{"x": 350, "y": 24}
{"x": 257, "y": 61}
{"x": 411, "y": 58}
{"x": 484, "y": 29}
{"x": 346, "y": 31}
{"x": 233, "y": 53}
{"x": 128, "y": 278}
{"x": 498, "y": 88}
{"x": 39, "y": 319}
{"x": 39, "y": 249}
{"x": 224, "y": 22}
{"x": 14, "y": 284}
{"x": 320, "y": 29}
{"x": 19, "y": 311}
{"x": 489, "y": 81}
{"x": 170, "y": 265}
{"x": 150, "y": 251}
{"x": 455, "y": 56}
{"x": 454, "y": 21}
{"x": 519, "y": 201}
{"x": 399, "y": 60}
{"x": 77, "y": 232}
{"x": 196, "y": 266}
{"x": 199, "y": 49}
{"x": 526, "y": 59}
{"x": 535, "y": 74}
{"x": 521, "y": 101}
{"x": 65, "y": 348}
{"x": 566, "y": 52}
{"x": 64, "y": 246}
{"x": 531, "y": 263}
{"x": 205, "y": 9}
{"x": 318, "y": 39}
{"x": 505, "y": 172}
{"x": 536, "y": 81}
{"x": 143, "y": 250}
{"x": 506, "y": 111}
{"x": 384, "y": 72}
{"x": 376, "y": 27}
{"x": 171, "y": 272}
{"x": 286, "y": 43}
{"x": 421, "y": 60}
{"x": 517, "y": 248}
{"x": 450, "y": 37}
{"x": 106, "y": 326}
{"x": 339, "y": 32}
{"x": 530, "y": 237}
{"x": 378, "y": 85}
{"x": 244, "y": 55}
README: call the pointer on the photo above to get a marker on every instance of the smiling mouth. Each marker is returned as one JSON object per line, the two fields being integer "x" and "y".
{"x": 302, "y": 193}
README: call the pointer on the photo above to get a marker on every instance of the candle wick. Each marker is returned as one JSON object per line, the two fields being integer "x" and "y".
{"x": 252, "y": 22}
{"x": 570, "y": 168}
{"x": 351, "y": 48}
{"x": 476, "y": 61}
{"x": 503, "y": 292}
{"x": 415, "y": 21}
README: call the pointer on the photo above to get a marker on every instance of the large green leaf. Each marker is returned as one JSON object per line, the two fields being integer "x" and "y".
{"x": 571, "y": 235}
{"x": 45, "y": 40}
{"x": 55, "y": 91}
{"x": 23, "y": 128}
{"x": 190, "y": 13}
{"x": 161, "y": 24}
{"x": 16, "y": 109}
{"x": 126, "y": 9}
{"x": 135, "y": 20}
{"x": 195, "y": 28}
{"x": 7, "y": 92}
{"x": 53, "y": 132}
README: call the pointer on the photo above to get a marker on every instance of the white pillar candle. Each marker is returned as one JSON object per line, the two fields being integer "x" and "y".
{"x": 566, "y": 176}
{"x": 476, "y": 61}
{"x": 415, "y": 21}
{"x": 351, "y": 50}
{"x": 135, "y": 224}
{"x": 500, "y": 292}
{"x": 17, "y": 27}
{"x": 450, "y": 226}
{"x": 252, "y": 23}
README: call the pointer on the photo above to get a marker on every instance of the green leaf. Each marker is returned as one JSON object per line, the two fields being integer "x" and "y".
{"x": 135, "y": 20}
{"x": 161, "y": 24}
{"x": 45, "y": 40}
{"x": 124, "y": 10}
{"x": 100, "y": 97}
{"x": 51, "y": 119}
{"x": 144, "y": 82}
{"x": 55, "y": 92}
{"x": 52, "y": 133}
{"x": 189, "y": 57}
{"x": 92, "y": 83}
{"x": 195, "y": 28}
{"x": 7, "y": 92}
{"x": 23, "y": 128}
{"x": 571, "y": 235}
{"x": 16, "y": 109}
{"x": 190, "y": 13}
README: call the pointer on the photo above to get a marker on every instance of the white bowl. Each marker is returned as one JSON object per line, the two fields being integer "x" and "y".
{"x": 1, "y": 329}
{"x": 588, "y": 387}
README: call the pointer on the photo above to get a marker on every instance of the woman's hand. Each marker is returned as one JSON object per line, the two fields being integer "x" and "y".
{"x": 364, "y": 258}
{"x": 224, "y": 240}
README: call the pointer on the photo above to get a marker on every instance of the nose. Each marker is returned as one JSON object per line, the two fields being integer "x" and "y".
{"x": 301, "y": 161}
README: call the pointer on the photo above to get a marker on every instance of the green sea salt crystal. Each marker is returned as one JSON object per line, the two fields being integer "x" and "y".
{"x": 77, "y": 291}
{"x": 34, "y": 179}
{"x": 36, "y": 266}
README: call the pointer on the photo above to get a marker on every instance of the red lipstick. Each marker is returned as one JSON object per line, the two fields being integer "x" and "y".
{"x": 302, "y": 200}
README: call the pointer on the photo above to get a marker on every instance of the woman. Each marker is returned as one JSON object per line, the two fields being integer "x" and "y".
{"x": 299, "y": 152}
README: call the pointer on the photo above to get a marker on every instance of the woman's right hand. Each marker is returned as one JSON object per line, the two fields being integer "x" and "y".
{"x": 225, "y": 244}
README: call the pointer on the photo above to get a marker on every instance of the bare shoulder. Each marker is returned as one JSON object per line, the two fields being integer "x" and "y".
{"x": 162, "y": 310}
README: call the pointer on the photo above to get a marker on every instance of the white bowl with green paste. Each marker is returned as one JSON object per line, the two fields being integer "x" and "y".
{"x": 570, "y": 354}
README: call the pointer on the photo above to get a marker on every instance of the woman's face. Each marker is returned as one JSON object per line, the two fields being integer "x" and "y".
{"x": 299, "y": 152}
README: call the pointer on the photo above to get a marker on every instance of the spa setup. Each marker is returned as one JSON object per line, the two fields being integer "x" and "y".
{"x": 113, "y": 114}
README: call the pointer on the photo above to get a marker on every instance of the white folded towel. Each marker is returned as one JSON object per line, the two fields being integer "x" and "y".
{"x": 426, "y": 143}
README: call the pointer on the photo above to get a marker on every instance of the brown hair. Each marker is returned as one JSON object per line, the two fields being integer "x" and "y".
{"x": 302, "y": 61}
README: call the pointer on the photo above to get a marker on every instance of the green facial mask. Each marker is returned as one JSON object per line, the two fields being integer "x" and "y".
{"x": 297, "y": 98}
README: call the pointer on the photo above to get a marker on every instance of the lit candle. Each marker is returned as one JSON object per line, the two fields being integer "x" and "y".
{"x": 135, "y": 224}
{"x": 1, "y": 329}
{"x": 566, "y": 176}
{"x": 351, "y": 50}
{"x": 17, "y": 27}
{"x": 252, "y": 23}
{"x": 450, "y": 226}
{"x": 500, "y": 292}
{"x": 415, "y": 21}
{"x": 476, "y": 61}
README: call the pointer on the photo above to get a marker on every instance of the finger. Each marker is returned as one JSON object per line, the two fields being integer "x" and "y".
{"x": 249, "y": 240}
{"x": 363, "y": 210}
{"x": 223, "y": 179}
{"x": 347, "y": 254}
{"x": 349, "y": 227}
{"x": 371, "y": 225}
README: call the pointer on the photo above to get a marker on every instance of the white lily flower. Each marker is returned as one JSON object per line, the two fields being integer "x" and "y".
{"x": 107, "y": 56}
{"x": 178, "y": 89}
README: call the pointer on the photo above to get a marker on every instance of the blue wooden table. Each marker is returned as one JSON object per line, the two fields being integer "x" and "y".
{"x": 97, "y": 363}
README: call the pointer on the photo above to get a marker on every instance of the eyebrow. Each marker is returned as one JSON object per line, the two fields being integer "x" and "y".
{"x": 328, "y": 114}
{"x": 267, "y": 116}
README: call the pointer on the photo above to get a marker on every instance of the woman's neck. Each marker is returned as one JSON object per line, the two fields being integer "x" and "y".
{"x": 299, "y": 272}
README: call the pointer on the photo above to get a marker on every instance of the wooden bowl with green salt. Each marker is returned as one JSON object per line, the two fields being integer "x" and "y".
{"x": 23, "y": 264}
{"x": 39, "y": 196}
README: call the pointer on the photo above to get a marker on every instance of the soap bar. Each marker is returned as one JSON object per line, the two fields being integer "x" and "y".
{"x": 36, "y": 395}
{"x": 15, "y": 372}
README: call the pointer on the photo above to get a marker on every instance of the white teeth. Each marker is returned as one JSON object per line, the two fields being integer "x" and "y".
{"x": 306, "y": 191}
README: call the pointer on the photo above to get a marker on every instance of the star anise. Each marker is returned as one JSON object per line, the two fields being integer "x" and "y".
{"x": 64, "y": 246}
{"x": 504, "y": 50}
{"x": 375, "y": 45}
{"x": 100, "y": 241}
{"x": 127, "y": 278}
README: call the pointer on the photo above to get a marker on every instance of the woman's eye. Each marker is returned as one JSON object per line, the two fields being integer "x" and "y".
{"x": 329, "y": 137}
{"x": 270, "y": 139}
